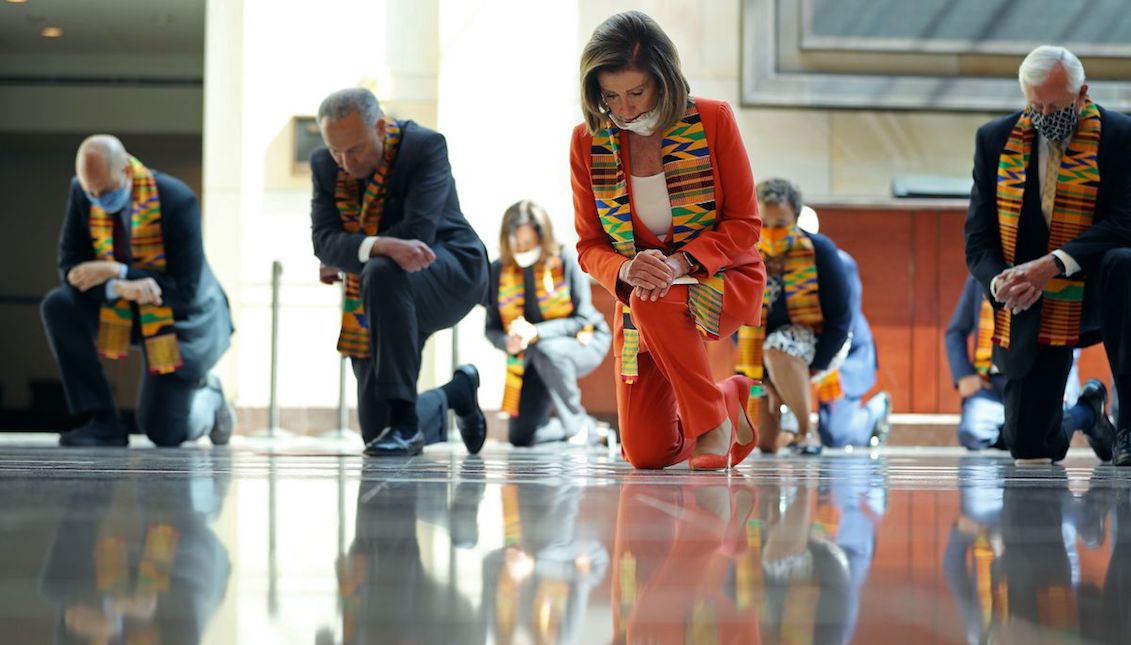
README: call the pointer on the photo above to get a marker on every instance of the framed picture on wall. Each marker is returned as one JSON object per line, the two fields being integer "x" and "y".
{"x": 306, "y": 138}
{"x": 953, "y": 55}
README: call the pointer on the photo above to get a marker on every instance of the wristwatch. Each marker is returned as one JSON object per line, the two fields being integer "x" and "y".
{"x": 692, "y": 264}
{"x": 1061, "y": 270}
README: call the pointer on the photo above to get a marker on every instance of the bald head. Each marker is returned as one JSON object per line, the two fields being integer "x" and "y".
{"x": 100, "y": 164}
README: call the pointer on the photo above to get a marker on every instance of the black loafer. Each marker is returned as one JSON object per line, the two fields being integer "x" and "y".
{"x": 1101, "y": 436}
{"x": 1122, "y": 450}
{"x": 473, "y": 425}
{"x": 396, "y": 441}
{"x": 95, "y": 435}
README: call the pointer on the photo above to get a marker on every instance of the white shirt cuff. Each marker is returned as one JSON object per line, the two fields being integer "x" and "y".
{"x": 366, "y": 248}
{"x": 993, "y": 287}
{"x": 1070, "y": 265}
{"x": 111, "y": 284}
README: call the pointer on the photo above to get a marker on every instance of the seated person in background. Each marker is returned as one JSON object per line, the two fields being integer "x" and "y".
{"x": 806, "y": 316}
{"x": 386, "y": 213}
{"x": 540, "y": 313}
{"x": 134, "y": 273}
{"x": 980, "y": 384}
{"x": 842, "y": 420}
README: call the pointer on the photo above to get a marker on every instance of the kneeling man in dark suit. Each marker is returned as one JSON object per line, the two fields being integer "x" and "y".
{"x": 1048, "y": 237}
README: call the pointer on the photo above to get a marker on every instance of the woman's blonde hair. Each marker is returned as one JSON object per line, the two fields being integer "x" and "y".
{"x": 523, "y": 213}
{"x": 632, "y": 41}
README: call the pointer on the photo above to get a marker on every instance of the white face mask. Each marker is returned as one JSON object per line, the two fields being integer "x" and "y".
{"x": 644, "y": 125}
{"x": 528, "y": 258}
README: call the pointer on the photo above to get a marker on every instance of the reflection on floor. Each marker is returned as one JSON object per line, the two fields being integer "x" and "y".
{"x": 282, "y": 541}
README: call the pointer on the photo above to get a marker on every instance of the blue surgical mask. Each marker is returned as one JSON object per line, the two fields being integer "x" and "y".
{"x": 113, "y": 201}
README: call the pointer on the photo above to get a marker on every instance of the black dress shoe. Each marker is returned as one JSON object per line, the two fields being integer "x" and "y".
{"x": 1122, "y": 456}
{"x": 473, "y": 425}
{"x": 1101, "y": 436}
{"x": 396, "y": 441}
{"x": 93, "y": 434}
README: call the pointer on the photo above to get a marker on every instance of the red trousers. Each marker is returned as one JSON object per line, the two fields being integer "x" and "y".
{"x": 674, "y": 399}
{"x": 675, "y": 562}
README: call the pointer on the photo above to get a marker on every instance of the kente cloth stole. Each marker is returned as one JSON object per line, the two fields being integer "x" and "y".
{"x": 691, "y": 188}
{"x": 1077, "y": 184}
{"x": 984, "y": 342}
{"x": 749, "y": 588}
{"x": 829, "y": 388}
{"x": 802, "y": 301}
{"x": 362, "y": 214}
{"x": 112, "y": 562}
{"x": 554, "y": 301}
{"x": 147, "y": 251}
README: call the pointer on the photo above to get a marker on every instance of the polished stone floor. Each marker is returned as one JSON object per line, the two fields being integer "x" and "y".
{"x": 297, "y": 541}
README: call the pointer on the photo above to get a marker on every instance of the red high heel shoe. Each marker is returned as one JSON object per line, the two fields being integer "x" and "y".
{"x": 743, "y": 436}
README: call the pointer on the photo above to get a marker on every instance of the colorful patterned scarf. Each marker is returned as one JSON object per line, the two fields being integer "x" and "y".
{"x": 362, "y": 213}
{"x": 147, "y": 251}
{"x": 689, "y": 176}
{"x": 984, "y": 341}
{"x": 1077, "y": 184}
{"x": 554, "y": 301}
{"x": 802, "y": 302}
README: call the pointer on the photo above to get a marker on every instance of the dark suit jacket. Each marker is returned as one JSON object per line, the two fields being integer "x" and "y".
{"x": 421, "y": 204}
{"x": 963, "y": 323}
{"x": 1111, "y": 228}
{"x": 201, "y": 317}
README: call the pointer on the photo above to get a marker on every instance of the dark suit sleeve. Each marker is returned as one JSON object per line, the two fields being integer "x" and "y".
{"x": 1114, "y": 230}
{"x": 184, "y": 249}
{"x": 962, "y": 323}
{"x": 75, "y": 246}
{"x": 983, "y": 239}
{"x": 332, "y": 245}
{"x": 494, "y": 325}
{"x": 582, "y": 296}
{"x": 835, "y": 299}
{"x": 429, "y": 187}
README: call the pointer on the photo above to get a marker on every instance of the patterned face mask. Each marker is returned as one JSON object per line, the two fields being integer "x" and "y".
{"x": 1057, "y": 126}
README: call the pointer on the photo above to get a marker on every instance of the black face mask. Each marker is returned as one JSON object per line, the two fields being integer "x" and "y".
{"x": 1057, "y": 126}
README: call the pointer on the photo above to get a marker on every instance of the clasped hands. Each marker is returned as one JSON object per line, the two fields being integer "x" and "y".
{"x": 520, "y": 334}
{"x": 1020, "y": 287}
{"x": 651, "y": 273}
{"x": 410, "y": 255}
{"x": 87, "y": 275}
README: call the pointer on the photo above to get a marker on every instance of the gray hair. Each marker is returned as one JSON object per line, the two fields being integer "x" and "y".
{"x": 104, "y": 147}
{"x": 352, "y": 100}
{"x": 1040, "y": 62}
{"x": 780, "y": 191}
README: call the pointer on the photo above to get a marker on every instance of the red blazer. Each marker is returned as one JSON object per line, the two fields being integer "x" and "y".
{"x": 731, "y": 245}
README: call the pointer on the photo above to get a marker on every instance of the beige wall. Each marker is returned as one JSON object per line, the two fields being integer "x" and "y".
{"x": 828, "y": 152}
{"x": 499, "y": 79}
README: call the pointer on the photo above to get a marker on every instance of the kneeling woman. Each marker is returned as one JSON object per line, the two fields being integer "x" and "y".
{"x": 807, "y": 315}
{"x": 542, "y": 316}
{"x": 667, "y": 222}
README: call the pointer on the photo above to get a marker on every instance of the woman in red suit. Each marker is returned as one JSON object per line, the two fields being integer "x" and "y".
{"x": 667, "y": 221}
